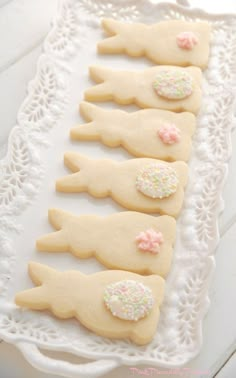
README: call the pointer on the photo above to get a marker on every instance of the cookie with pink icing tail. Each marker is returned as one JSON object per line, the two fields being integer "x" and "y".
{"x": 151, "y": 133}
{"x": 127, "y": 240}
{"x": 112, "y": 303}
{"x": 146, "y": 185}
{"x": 173, "y": 42}
{"x": 161, "y": 87}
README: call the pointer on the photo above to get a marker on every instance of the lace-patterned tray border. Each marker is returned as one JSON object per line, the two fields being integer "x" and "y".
{"x": 179, "y": 333}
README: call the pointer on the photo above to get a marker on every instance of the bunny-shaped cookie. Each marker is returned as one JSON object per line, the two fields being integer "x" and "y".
{"x": 162, "y": 87}
{"x": 130, "y": 241}
{"x": 94, "y": 300}
{"x": 173, "y": 42}
{"x": 146, "y": 185}
{"x": 146, "y": 133}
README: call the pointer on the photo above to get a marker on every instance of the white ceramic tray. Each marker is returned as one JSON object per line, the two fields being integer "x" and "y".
{"x": 35, "y": 159}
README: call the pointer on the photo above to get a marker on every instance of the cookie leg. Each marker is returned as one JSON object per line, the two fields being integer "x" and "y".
{"x": 145, "y": 329}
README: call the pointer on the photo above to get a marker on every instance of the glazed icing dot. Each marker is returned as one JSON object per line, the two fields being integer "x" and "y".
{"x": 169, "y": 133}
{"x": 173, "y": 84}
{"x": 187, "y": 40}
{"x": 128, "y": 299}
{"x": 157, "y": 180}
{"x": 150, "y": 241}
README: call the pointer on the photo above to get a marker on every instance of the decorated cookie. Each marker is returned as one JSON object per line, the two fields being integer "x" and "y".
{"x": 173, "y": 42}
{"x": 131, "y": 241}
{"x": 146, "y": 133}
{"x": 121, "y": 181}
{"x": 162, "y": 87}
{"x": 112, "y": 303}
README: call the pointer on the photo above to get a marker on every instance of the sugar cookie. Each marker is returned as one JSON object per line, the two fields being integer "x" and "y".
{"x": 146, "y": 133}
{"x": 172, "y": 42}
{"x": 128, "y": 240}
{"x": 112, "y": 303}
{"x": 161, "y": 87}
{"x": 102, "y": 178}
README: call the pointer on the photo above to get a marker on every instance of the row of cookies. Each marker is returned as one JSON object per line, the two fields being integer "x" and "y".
{"x": 125, "y": 303}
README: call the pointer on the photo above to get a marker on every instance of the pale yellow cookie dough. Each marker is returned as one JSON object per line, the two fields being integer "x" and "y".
{"x": 136, "y": 87}
{"x": 137, "y": 132}
{"x": 112, "y": 239}
{"x": 102, "y": 178}
{"x": 157, "y": 42}
{"x": 73, "y": 294}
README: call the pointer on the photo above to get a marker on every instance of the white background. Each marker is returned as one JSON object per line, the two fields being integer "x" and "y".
{"x": 23, "y": 26}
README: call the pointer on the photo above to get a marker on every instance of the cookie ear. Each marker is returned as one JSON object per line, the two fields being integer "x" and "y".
{"x": 114, "y": 43}
{"x": 35, "y": 299}
{"x": 88, "y": 131}
{"x": 75, "y": 183}
{"x": 103, "y": 91}
{"x": 111, "y": 26}
{"x": 99, "y": 74}
{"x": 111, "y": 45}
{"x": 53, "y": 242}
{"x": 89, "y": 111}
{"x": 57, "y": 217}
{"x": 100, "y": 92}
{"x": 40, "y": 273}
{"x": 74, "y": 161}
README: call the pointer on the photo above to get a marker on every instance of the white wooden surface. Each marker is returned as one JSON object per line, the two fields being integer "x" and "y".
{"x": 23, "y": 26}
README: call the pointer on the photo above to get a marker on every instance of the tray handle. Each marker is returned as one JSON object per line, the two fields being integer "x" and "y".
{"x": 184, "y": 3}
{"x": 63, "y": 368}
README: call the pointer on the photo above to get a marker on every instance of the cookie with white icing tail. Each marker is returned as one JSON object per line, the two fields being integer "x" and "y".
{"x": 173, "y": 42}
{"x": 151, "y": 133}
{"x": 114, "y": 303}
{"x": 128, "y": 240}
{"x": 162, "y": 87}
{"x": 146, "y": 185}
